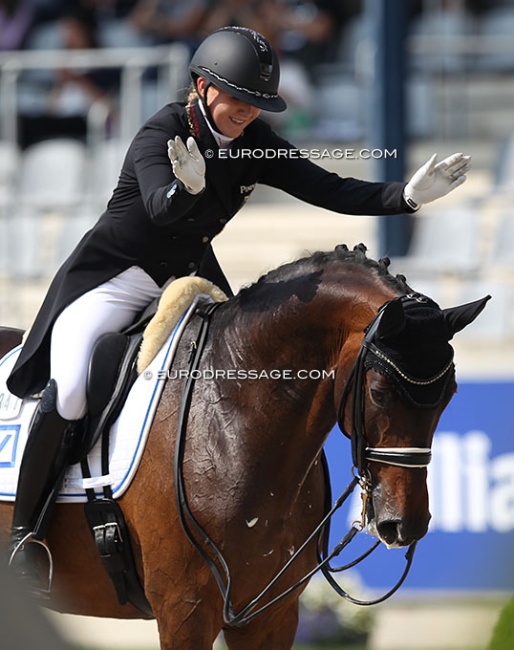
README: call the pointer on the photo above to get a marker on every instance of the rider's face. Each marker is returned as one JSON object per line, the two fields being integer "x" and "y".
{"x": 230, "y": 115}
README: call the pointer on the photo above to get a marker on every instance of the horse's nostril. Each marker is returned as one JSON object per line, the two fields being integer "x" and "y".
{"x": 389, "y": 531}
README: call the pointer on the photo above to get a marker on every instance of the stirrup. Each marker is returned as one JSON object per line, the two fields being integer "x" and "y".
{"x": 29, "y": 538}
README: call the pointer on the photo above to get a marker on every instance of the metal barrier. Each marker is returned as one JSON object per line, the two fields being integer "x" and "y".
{"x": 170, "y": 62}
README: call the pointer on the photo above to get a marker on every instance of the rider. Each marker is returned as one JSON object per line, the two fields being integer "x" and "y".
{"x": 176, "y": 191}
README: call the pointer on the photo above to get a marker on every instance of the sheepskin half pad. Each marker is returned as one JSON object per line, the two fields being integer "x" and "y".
{"x": 176, "y": 298}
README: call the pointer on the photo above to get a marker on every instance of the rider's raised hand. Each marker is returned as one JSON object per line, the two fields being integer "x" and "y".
{"x": 434, "y": 180}
{"x": 188, "y": 163}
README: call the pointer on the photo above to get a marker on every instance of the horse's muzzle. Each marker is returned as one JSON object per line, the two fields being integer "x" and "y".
{"x": 395, "y": 531}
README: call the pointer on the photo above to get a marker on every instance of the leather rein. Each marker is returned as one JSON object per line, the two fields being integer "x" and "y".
{"x": 410, "y": 457}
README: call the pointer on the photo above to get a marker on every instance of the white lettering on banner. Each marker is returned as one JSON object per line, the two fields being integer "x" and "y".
{"x": 445, "y": 484}
{"x": 477, "y": 481}
{"x": 470, "y": 491}
{"x": 502, "y": 499}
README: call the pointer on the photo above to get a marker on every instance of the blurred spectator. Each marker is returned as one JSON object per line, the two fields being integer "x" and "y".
{"x": 311, "y": 29}
{"x": 112, "y": 9}
{"x": 306, "y": 28}
{"x": 167, "y": 21}
{"x": 482, "y": 6}
{"x": 75, "y": 91}
{"x": 16, "y": 20}
{"x": 48, "y": 10}
{"x": 240, "y": 13}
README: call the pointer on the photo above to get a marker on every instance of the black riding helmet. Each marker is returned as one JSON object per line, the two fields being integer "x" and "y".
{"x": 242, "y": 63}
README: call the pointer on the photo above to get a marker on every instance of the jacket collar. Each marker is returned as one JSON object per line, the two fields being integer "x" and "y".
{"x": 220, "y": 173}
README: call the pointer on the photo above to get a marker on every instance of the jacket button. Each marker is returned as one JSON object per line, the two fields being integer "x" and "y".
{"x": 205, "y": 239}
{"x": 163, "y": 265}
{"x": 223, "y": 221}
{"x": 191, "y": 265}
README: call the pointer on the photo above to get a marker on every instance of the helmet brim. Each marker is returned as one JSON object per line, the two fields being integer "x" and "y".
{"x": 263, "y": 101}
{"x": 275, "y": 104}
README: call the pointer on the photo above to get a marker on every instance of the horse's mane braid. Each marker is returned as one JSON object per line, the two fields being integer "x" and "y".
{"x": 341, "y": 253}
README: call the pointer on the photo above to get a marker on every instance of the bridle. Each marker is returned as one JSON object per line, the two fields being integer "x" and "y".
{"x": 362, "y": 454}
{"x": 410, "y": 457}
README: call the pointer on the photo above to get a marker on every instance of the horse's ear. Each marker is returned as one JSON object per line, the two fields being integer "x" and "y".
{"x": 458, "y": 317}
{"x": 392, "y": 320}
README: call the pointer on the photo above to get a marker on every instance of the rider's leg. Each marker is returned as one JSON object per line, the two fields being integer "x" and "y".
{"x": 42, "y": 467}
{"x": 107, "y": 308}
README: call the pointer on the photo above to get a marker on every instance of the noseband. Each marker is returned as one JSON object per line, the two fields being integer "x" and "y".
{"x": 410, "y": 457}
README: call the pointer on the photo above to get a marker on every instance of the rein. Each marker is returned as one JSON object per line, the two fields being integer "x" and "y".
{"x": 361, "y": 454}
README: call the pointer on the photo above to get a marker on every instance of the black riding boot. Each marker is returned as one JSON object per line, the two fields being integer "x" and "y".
{"x": 42, "y": 470}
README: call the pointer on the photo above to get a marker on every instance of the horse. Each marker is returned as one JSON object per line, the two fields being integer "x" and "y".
{"x": 287, "y": 362}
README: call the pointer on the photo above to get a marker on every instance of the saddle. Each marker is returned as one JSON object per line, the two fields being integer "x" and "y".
{"x": 112, "y": 372}
{"x": 118, "y": 358}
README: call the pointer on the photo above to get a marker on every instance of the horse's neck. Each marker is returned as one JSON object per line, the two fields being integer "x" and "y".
{"x": 297, "y": 335}
{"x": 274, "y": 425}
{"x": 287, "y": 359}
{"x": 273, "y": 422}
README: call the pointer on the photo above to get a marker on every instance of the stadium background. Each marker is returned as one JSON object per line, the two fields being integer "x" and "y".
{"x": 459, "y": 96}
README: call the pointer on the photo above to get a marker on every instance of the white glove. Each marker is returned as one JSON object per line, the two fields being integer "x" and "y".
{"x": 432, "y": 181}
{"x": 188, "y": 163}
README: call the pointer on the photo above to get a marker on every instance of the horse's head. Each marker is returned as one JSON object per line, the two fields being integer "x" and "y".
{"x": 402, "y": 380}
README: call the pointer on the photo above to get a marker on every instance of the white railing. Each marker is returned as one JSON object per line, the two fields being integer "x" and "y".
{"x": 170, "y": 62}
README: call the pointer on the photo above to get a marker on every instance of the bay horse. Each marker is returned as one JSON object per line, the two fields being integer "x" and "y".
{"x": 289, "y": 357}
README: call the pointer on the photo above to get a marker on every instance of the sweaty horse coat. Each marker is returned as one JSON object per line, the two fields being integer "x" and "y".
{"x": 152, "y": 221}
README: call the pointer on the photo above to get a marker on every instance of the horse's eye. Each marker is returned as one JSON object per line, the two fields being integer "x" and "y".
{"x": 379, "y": 396}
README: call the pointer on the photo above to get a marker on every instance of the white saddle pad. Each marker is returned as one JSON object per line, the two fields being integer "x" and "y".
{"x": 128, "y": 434}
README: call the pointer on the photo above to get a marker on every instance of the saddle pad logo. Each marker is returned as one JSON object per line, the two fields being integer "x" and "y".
{"x": 10, "y": 405}
{"x": 9, "y": 434}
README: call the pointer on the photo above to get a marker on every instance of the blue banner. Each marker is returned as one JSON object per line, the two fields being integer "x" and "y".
{"x": 470, "y": 545}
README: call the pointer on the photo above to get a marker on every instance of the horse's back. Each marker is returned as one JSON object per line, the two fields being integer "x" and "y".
{"x": 10, "y": 337}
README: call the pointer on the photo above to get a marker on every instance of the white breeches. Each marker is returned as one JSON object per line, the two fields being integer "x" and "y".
{"x": 109, "y": 307}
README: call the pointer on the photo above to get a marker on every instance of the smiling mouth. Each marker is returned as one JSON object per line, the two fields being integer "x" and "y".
{"x": 237, "y": 122}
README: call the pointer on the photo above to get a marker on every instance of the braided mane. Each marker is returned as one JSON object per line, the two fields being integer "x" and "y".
{"x": 341, "y": 254}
